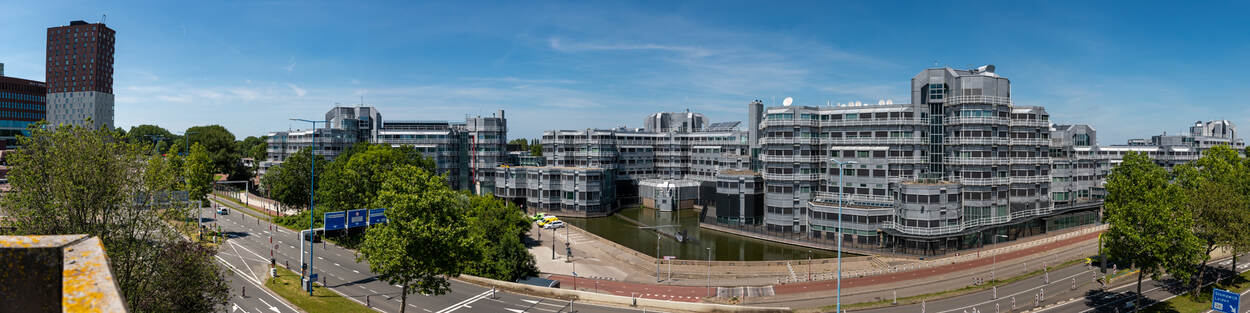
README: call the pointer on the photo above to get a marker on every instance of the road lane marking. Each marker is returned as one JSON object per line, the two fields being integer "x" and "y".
{"x": 465, "y": 303}
{"x": 257, "y": 284}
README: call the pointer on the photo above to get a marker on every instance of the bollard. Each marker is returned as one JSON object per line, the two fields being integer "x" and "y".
{"x": 995, "y": 292}
{"x": 367, "y": 301}
{"x": 245, "y": 291}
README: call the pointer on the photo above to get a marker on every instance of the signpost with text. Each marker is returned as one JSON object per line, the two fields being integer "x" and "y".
{"x": 335, "y": 220}
{"x": 1225, "y": 301}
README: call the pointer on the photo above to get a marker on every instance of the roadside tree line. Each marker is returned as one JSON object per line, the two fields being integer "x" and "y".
{"x": 1170, "y": 222}
{"x": 75, "y": 180}
{"x": 433, "y": 232}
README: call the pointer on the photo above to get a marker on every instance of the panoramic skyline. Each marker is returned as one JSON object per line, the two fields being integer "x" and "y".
{"x": 1129, "y": 71}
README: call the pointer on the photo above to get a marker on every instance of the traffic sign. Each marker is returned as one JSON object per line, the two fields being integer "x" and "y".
{"x": 336, "y": 220}
{"x": 356, "y": 218}
{"x": 669, "y": 257}
{"x": 1224, "y": 301}
{"x": 377, "y": 216}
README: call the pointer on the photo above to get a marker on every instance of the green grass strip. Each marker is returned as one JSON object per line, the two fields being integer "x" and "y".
{"x": 287, "y": 285}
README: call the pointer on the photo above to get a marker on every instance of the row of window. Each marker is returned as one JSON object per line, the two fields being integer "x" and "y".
{"x": 22, "y": 115}
{"x": 839, "y": 117}
{"x": 20, "y": 96}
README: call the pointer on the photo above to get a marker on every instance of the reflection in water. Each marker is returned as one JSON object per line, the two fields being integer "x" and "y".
{"x": 725, "y": 247}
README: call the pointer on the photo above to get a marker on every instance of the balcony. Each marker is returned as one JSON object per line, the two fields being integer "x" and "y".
{"x": 976, "y": 141}
{"x": 1030, "y": 160}
{"x": 1030, "y": 179}
{"x": 793, "y": 158}
{"x": 1030, "y": 141}
{"x": 790, "y": 140}
{"x": 983, "y": 181}
{"x": 874, "y": 141}
{"x": 908, "y": 159}
{"x": 804, "y": 177}
{"x": 923, "y": 231}
{"x": 977, "y": 161}
{"x": 832, "y": 197}
{"x": 1030, "y": 123}
{"x": 796, "y": 122}
{"x": 870, "y": 122}
{"x": 959, "y": 120}
{"x": 978, "y": 100}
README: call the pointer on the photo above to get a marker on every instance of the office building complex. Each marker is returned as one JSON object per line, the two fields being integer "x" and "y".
{"x": 80, "y": 75}
{"x": 22, "y": 103}
{"x": 459, "y": 150}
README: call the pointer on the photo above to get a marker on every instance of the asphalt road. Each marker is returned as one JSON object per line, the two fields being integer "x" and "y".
{"x": 249, "y": 241}
{"x": 1038, "y": 294}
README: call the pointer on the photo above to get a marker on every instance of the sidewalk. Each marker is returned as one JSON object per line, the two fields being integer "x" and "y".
{"x": 634, "y": 275}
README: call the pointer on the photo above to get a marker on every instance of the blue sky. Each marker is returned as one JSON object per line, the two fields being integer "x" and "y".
{"x": 1129, "y": 69}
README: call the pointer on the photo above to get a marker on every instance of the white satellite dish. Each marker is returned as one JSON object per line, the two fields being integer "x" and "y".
{"x": 787, "y": 101}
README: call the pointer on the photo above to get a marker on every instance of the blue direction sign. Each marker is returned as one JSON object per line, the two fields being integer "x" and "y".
{"x": 377, "y": 216}
{"x": 336, "y": 220}
{"x": 356, "y": 218}
{"x": 1225, "y": 301}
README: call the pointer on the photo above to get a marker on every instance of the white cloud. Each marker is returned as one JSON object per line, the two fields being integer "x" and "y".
{"x": 290, "y": 66}
{"x": 298, "y": 91}
{"x": 562, "y": 46}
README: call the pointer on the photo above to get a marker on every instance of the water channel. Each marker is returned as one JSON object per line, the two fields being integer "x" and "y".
{"x": 725, "y": 247}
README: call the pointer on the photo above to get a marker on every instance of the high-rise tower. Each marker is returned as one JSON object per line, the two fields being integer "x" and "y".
{"x": 80, "y": 74}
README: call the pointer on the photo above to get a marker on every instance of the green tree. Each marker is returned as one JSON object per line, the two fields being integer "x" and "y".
{"x": 75, "y": 180}
{"x": 1146, "y": 225}
{"x": 536, "y": 147}
{"x": 498, "y": 228}
{"x": 1212, "y": 188}
{"x": 521, "y": 143}
{"x": 359, "y": 173}
{"x": 198, "y": 173}
{"x": 289, "y": 183}
{"x": 152, "y": 134}
{"x": 426, "y": 239}
{"x": 221, "y": 149}
{"x": 184, "y": 261}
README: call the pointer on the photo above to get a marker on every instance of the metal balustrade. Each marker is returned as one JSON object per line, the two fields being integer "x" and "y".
{"x": 874, "y": 141}
{"x": 976, "y": 141}
{"x": 958, "y": 120}
{"x": 978, "y": 99}
{"x": 871, "y": 122}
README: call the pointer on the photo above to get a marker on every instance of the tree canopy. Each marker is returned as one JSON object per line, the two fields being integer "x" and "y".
{"x": 356, "y": 176}
{"x": 426, "y": 239}
{"x": 289, "y": 183}
{"x": 1147, "y": 225}
{"x": 75, "y": 180}
{"x": 220, "y": 144}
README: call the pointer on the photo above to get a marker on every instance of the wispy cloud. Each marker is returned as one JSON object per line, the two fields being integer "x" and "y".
{"x": 564, "y": 46}
{"x": 290, "y": 67}
{"x": 300, "y": 92}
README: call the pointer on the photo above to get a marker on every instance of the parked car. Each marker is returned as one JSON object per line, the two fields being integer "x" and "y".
{"x": 554, "y": 225}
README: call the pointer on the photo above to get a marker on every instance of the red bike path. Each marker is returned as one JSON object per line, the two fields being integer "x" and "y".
{"x": 696, "y": 294}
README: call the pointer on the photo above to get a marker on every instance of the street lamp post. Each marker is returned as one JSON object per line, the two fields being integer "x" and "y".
{"x": 994, "y": 264}
{"x": 841, "y": 166}
{"x": 312, "y": 186}
{"x": 657, "y": 249}
{"x": 709, "y": 272}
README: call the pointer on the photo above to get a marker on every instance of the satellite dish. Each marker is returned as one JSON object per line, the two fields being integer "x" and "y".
{"x": 787, "y": 101}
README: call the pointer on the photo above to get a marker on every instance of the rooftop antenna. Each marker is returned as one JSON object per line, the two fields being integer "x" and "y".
{"x": 103, "y": 18}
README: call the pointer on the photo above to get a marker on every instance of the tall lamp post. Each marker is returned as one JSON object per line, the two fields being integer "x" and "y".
{"x": 312, "y": 179}
{"x": 994, "y": 264}
{"x": 709, "y": 272}
{"x": 841, "y": 166}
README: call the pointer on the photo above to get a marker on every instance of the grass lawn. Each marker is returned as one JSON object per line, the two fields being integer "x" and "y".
{"x": 1187, "y": 303}
{"x": 322, "y": 300}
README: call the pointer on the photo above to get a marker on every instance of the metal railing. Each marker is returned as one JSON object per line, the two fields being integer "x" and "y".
{"x": 976, "y": 161}
{"x": 794, "y": 122}
{"x": 869, "y": 122}
{"x": 978, "y": 99}
{"x": 908, "y": 159}
{"x": 1030, "y": 123}
{"x": 790, "y": 140}
{"x": 955, "y": 120}
{"x": 982, "y": 181}
{"x": 773, "y": 176}
{"x": 832, "y": 197}
{"x": 874, "y": 141}
{"x": 1029, "y": 179}
{"x": 1029, "y": 160}
{"x": 793, "y": 158}
{"x": 1030, "y": 141}
{"x": 923, "y": 231}
{"x": 976, "y": 141}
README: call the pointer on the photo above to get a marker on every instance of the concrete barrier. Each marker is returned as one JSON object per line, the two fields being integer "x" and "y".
{"x": 615, "y": 300}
